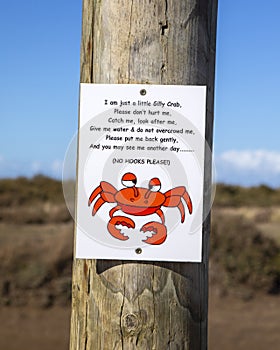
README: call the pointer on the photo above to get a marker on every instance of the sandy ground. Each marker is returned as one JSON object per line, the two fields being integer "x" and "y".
{"x": 238, "y": 325}
{"x": 233, "y": 324}
{"x": 25, "y": 328}
{"x": 36, "y": 244}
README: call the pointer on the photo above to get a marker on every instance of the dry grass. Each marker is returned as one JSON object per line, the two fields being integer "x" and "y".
{"x": 36, "y": 241}
{"x": 36, "y": 235}
{"x": 22, "y": 191}
{"x": 36, "y": 264}
{"x": 236, "y": 196}
{"x": 32, "y": 201}
{"x": 241, "y": 255}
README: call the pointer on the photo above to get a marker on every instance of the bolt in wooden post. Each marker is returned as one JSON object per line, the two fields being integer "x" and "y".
{"x": 142, "y": 305}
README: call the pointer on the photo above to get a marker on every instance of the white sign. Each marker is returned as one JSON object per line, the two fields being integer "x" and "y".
{"x": 140, "y": 172}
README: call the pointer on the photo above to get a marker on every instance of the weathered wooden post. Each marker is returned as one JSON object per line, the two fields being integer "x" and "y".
{"x": 142, "y": 305}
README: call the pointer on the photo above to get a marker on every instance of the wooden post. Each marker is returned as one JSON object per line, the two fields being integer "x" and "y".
{"x": 132, "y": 305}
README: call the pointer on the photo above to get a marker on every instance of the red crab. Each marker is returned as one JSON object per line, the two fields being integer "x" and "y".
{"x": 139, "y": 201}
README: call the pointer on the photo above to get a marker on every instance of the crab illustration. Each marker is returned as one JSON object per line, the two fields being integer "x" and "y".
{"x": 139, "y": 201}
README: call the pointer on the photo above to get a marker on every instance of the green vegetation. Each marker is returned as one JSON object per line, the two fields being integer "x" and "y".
{"x": 41, "y": 188}
{"x": 244, "y": 256}
{"x": 245, "y": 238}
{"x": 234, "y": 196}
{"x": 22, "y": 191}
{"x": 36, "y": 237}
{"x": 32, "y": 201}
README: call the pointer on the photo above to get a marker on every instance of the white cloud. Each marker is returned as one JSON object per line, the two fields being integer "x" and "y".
{"x": 253, "y": 160}
{"x": 15, "y": 168}
{"x": 249, "y": 167}
{"x": 57, "y": 166}
{"x": 36, "y": 167}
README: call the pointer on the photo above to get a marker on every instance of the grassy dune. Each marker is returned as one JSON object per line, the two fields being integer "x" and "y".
{"x": 36, "y": 234}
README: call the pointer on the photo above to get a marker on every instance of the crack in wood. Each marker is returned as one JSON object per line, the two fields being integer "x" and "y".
{"x": 86, "y": 325}
{"x": 129, "y": 37}
{"x": 121, "y": 309}
{"x": 88, "y": 282}
{"x": 164, "y": 27}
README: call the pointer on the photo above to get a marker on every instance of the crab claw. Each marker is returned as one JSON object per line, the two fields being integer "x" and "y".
{"x": 119, "y": 220}
{"x": 159, "y": 235}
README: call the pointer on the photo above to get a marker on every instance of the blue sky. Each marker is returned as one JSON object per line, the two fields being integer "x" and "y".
{"x": 247, "y": 148}
{"x": 39, "y": 70}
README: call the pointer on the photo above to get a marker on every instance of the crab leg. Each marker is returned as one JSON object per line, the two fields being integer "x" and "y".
{"x": 182, "y": 211}
{"x": 112, "y": 211}
{"x": 174, "y": 199}
{"x": 106, "y": 190}
{"x": 94, "y": 194}
{"x": 161, "y": 215}
{"x": 187, "y": 199}
{"x": 97, "y": 205}
{"x": 107, "y": 194}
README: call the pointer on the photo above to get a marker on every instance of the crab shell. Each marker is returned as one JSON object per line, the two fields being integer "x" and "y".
{"x": 139, "y": 201}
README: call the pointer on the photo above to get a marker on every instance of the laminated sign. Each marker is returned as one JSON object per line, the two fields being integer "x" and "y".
{"x": 140, "y": 172}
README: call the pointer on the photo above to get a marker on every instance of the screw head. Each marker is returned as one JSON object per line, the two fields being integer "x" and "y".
{"x": 143, "y": 92}
{"x": 138, "y": 251}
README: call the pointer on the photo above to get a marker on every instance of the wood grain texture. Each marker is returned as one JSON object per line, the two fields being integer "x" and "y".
{"x": 141, "y": 305}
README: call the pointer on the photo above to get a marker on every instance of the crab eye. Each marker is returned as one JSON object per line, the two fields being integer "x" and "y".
{"x": 129, "y": 180}
{"x": 154, "y": 185}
